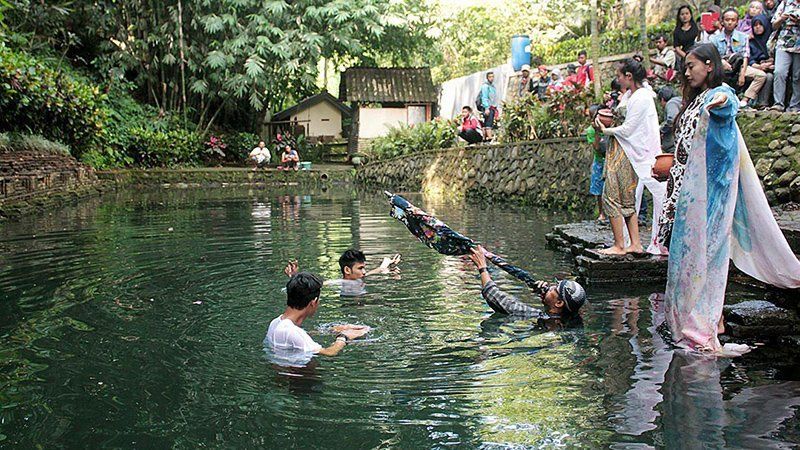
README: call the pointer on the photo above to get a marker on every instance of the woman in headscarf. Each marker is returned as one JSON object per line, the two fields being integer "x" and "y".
{"x": 746, "y": 22}
{"x": 760, "y": 58}
{"x": 721, "y": 214}
{"x": 556, "y": 80}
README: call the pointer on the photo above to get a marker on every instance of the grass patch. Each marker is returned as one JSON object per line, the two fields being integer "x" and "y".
{"x": 18, "y": 142}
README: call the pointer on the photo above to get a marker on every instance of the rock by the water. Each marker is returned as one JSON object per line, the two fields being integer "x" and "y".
{"x": 759, "y": 312}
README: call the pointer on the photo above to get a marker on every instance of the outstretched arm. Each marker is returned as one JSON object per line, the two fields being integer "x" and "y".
{"x": 346, "y": 333}
{"x": 495, "y": 298}
{"x": 388, "y": 265}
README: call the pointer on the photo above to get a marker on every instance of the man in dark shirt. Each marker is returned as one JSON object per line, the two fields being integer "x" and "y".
{"x": 561, "y": 301}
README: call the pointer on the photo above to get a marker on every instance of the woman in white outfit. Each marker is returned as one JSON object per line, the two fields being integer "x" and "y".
{"x": 640, "y": 140}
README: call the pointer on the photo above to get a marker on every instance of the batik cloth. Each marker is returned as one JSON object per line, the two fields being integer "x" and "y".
{"x": 428, "y": 229}
{"x": 619, "y": 189}
{"x": 684, "y": 134}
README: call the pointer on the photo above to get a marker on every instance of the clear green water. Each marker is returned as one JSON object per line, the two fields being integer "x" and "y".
{"x": 104, "y": 343}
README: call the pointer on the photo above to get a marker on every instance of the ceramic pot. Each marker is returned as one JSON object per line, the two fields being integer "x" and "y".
{"x": 662, "y": 165}
{"x": 606, "y": 117}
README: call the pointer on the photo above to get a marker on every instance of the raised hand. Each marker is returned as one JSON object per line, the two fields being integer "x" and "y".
{"x": 291, "y": 268}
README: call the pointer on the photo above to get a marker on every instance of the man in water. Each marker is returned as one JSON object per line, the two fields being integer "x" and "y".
{"x": 561, "y": 301}
{"x": 287, "y": 340}
{"x": 353, "y": 265}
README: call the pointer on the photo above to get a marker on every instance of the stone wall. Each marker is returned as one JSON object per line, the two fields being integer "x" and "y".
{"x": 32, "y": 180}
{"x": 225, "y": 176}
{"x": 545, "y": 172}
{"x": 773, "y": 139}
{"x": 555, "y": 172}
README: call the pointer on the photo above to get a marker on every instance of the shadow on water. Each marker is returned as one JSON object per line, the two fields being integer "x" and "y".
{"x": 137, "y": 320}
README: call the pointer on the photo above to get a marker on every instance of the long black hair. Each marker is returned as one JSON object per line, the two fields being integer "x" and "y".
{"x": 708, "y": 54}
{"x": 694, "y": 28}
{"x": 678, "y": 23}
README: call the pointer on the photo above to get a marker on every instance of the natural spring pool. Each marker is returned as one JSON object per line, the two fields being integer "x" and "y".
{"x": 137, "y": 321}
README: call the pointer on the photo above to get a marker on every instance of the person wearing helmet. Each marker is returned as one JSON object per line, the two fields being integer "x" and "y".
{"x": 561, "y": 300}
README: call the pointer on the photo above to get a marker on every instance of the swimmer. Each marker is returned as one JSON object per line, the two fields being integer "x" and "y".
{"x": 353, "y": 265}
{"x": 561, "y": 300}
{"x": 285, "y": 336}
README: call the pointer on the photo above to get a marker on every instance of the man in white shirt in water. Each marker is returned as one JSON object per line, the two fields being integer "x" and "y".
{"x": 285, "y": 337}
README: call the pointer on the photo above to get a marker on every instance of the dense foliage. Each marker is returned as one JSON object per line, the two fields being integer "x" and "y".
{"x": 612, "y": 42}
{"x": 562, "y": 114}
{"x": 37, "y": 99}
{"x": 228, "y": 61}
{"x": 404, "y": 140}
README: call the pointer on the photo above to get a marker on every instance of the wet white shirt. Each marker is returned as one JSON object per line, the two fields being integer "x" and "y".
{"x": 284, "y": 336}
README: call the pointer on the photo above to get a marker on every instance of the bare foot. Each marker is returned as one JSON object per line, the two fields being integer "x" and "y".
{"x": 721, "y": 326}
{"x": 612, "y": 251}
{"x": 633, "y": 249}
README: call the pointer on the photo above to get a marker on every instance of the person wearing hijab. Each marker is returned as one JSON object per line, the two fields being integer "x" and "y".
{"x": 759, "y": 57}
{"x": 746, "y": 23}
{"x": 556, "y": 80}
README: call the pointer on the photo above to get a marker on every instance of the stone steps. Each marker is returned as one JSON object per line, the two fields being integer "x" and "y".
{"x": 582, "y": 239}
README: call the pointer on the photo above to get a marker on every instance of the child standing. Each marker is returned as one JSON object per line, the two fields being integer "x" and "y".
{"x": 599, "y": 145}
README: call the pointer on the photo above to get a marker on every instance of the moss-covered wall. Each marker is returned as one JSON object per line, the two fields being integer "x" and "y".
{"x": 556, "y": 172}
{"x": 212, "y": 176}
{"x": 553, "y": 172}
{"x": 773, "y": 139}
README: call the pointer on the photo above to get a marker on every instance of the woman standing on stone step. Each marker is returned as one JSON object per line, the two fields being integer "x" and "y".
{"x": 629, "y": 173}
{"x": 721, "y": 213}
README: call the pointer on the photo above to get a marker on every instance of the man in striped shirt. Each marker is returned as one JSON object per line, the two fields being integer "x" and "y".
{"x": 561, "y": 300}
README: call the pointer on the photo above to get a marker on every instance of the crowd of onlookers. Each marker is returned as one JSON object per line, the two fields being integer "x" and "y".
{"x": 760, "y": 56}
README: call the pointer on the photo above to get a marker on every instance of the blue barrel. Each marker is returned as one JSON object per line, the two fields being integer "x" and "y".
{"x": 520, "y": 51}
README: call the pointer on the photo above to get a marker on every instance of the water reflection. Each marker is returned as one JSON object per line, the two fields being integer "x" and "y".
{"x": 137, "y": 321}
{"x": 681, "y": 395}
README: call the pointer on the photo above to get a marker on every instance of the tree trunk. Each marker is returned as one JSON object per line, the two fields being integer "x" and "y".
{"x": 643, "y": 37}
{"x": 598, "y": 94}
{"x": 182, "y": 54}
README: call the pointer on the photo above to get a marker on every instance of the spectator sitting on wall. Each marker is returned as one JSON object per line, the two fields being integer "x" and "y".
{"x": 543, "y": 82}
{"x": 734, "y": 47}
{"x": 672, "y": 105}
{"x": 684, "y": 35}
{"x": 470, "y": 128}
{"x": 585, "y": 71}
{"x": 746, "y": 24}
{"x": 664, "y": 61}
{"x": 572, "y": 77}
{"x": 491, "y": 105}
{"x": 290, "y": 159}
{"x": 260, "y": 156}
{"x": 760, "y": 57}
{"x": 524, "y": 85}
{"x": 556, "y": 81}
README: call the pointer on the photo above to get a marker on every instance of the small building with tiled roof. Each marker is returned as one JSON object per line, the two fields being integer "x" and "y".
{"x": 319, "y": 117}
{"x": 383, "y": 98}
